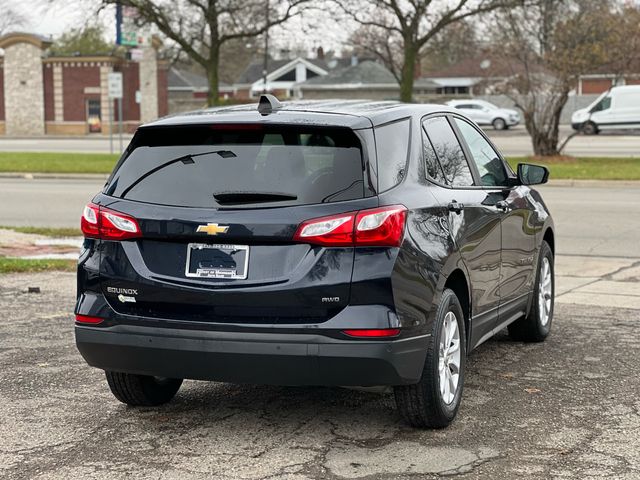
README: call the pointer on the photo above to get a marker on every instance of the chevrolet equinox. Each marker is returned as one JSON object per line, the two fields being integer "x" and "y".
{"x": 343, "y": 243}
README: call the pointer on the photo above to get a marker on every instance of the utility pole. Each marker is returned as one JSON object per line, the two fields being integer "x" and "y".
{"x": 265, "y": 65}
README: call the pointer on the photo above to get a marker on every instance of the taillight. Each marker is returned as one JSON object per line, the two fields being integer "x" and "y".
{"x": 333, "y": 231}
{"x": 369, "y": 333}
{"x": 383, "y": 226}
{"x": 106, "y": 224}
{"x": 88, "y": 319}
{"x": 89, "y": 221}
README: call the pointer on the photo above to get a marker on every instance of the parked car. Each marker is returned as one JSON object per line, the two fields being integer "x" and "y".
{"x": 486, "y": 113}
{"x": 616, "y": 109}
{"x": 316, "y": 243}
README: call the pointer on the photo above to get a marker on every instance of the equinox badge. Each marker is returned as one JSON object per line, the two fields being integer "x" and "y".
{"x": 212, "y": 229}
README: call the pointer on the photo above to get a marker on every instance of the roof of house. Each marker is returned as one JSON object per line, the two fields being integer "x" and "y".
{"x": 367, "y": 72}
{"x": 179, "y": 79}
{"x": 253, "y": 72}
{"x": 474, "y": 67}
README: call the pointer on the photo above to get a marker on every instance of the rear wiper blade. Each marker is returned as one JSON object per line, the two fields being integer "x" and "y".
{"x": 252, "y": 197}
{"x": 185, "y": 159}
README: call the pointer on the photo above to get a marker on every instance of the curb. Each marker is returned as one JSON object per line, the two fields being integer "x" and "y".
{"x": 594, "y": 183}
{"x": 128, "y": 136}
{"x": 104, "y": 176}
{"x": 58, "y": 176}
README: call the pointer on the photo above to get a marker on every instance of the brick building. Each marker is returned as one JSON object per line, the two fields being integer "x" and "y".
{"x": 41, "y": 94}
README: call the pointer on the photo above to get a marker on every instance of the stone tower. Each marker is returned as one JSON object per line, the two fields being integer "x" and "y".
{"x": 23, "y": 84}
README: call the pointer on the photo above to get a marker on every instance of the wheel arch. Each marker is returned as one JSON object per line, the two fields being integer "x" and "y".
{"x": 457, "y": 281}
{"x": 549, "y": 237}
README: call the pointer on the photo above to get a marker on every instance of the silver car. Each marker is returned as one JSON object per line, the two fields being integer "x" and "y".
{"x": 485, "y": 113}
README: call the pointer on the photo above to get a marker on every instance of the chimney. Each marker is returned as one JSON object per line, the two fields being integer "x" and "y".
{"x": 320, "y": 53}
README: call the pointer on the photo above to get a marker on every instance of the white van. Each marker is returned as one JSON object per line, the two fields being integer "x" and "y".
{"x": 617, "y": 108}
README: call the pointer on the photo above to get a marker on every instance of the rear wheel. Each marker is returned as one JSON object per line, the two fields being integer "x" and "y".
{"x": 435, "y": 399}
{"x": 535, "y": 327}
{"x": 142, "y": 390}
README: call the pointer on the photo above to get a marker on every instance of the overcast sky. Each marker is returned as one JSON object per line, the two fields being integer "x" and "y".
{"x": 45, "y": 19}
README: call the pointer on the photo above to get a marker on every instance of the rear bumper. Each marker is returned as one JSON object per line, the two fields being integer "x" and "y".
{"x": 258, "y": 358}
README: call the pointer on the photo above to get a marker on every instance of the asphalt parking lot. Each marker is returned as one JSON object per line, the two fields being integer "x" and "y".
{"x": 567, "y": 408}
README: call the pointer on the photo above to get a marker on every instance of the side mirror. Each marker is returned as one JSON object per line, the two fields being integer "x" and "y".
{"x": 532, "y": 174}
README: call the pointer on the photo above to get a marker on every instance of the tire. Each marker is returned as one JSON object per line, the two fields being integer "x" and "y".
{"x": 590, "y": 128}
{"x": 499, "y": 124}
{"x": 536, "y": 325}
{"x": 424, "y": 404}
{"x": 142, "y": 390}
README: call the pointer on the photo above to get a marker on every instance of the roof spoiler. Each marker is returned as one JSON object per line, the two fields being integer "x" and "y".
{"x": 268, "y": 104}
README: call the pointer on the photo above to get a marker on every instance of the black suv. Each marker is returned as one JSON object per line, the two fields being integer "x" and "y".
{"x": 312, "y": 243}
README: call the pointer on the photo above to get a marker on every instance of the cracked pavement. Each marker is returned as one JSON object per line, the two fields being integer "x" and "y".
{"x": 566, "y": 408}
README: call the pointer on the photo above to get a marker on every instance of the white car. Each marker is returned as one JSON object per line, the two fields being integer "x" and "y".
{"x": 617, "y": 108}
{"x": 485, "y": 113}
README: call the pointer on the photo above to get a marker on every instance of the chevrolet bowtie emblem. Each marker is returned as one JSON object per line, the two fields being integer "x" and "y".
{"x": 212, "y": 229}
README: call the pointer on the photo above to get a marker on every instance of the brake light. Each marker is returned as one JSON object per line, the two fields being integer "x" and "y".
{"x": 106, "y": 224}
{"x": 383, "y": 226}
{"x": 333, "y": 231}
{"x": 379, "y": 332}
{"x": 88, "y": 319}
{"x": 89, "y": 221}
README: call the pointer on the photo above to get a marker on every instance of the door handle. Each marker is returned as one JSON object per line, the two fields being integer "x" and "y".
{"x": 502, "y": 205}
{"x": 455, "y": 207}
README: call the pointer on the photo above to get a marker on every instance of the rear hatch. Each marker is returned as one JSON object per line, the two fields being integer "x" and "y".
{"x": 216, "y": 208}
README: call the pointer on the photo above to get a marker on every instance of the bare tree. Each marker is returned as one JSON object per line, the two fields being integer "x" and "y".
{"x": 548, "y": 46}
{"x": 201, "y": 27}
{"x": 409, "y": 25}
{"x": 10, "y": 18}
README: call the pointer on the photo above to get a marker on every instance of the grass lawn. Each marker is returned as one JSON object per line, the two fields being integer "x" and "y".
{"x": 48, "y": 231}
{"x": 19, "y": 265}
{"x": 44, "y": 162}
{"x": 586, "y": 168}
{"x": 577, "y": 168}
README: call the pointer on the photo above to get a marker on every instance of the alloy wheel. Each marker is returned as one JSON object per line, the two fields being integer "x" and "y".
{"x": 545, "y": 292}
{"x": 449, "y": 358}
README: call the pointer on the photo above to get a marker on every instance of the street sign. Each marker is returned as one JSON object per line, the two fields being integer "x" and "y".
{"x": 137, "y": 54}
{"x": 115, "y": 85}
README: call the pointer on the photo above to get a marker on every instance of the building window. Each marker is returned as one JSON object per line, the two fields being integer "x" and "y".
{"x": 290, "y": 76}
{"x": 94, "y": 115}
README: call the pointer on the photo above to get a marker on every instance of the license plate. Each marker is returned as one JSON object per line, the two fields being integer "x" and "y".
{"x": 217, "y": 261}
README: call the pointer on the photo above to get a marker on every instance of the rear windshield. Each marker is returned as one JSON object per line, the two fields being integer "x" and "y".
{"x": 238, "y": 165}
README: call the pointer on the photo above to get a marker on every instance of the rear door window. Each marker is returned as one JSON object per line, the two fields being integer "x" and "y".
{"x": 392, "y": 145}
{"x": 434, "y": 169}
{"x": 449, "y": 152}
{"x": 219, "y": 165}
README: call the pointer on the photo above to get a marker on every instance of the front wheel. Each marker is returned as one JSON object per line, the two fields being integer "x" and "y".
{"x": 590, "y": 128}
{"x": 142, "y": 390}
{"x": 536, "y": 325}
{"x": 499, "y": 124}
{"x": 435, "y": 399}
